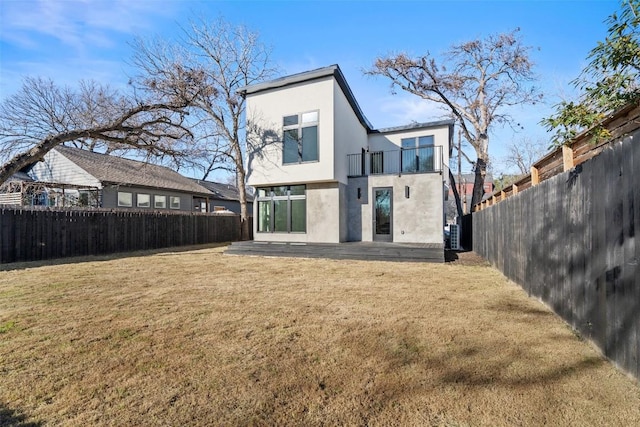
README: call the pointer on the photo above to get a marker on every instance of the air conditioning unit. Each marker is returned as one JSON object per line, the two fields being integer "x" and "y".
{"x": 454, "y": 236}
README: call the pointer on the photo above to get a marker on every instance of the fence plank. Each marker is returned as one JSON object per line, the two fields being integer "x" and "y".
{"x": 572, "y": 241}
{"x": 38, "y": 234}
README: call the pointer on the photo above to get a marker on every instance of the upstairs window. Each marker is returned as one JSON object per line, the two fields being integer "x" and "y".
{"x": 300, "y": 140}
{"x": 417, "y": 154}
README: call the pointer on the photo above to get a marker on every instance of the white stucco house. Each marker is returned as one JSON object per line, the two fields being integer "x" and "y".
{"x": 324, "y": 174}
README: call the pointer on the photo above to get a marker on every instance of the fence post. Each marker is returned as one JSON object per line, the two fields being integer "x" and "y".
{"x": 535, "y": 177}
{"x": 567, "y": 158}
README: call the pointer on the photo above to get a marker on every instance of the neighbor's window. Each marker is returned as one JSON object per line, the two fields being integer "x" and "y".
{"x": 174, "y": 202}
{"x": 282, "y": 209}
{"x": 144, "y": 201}
{"x": 159, "y": 202}
{"x": 417, "y": 154}
{"x": 83, "y": 198}
{"x": 125, "y": 199}
{"x": 300, "y": 138}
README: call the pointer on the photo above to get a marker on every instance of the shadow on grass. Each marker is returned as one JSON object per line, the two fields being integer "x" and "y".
{"x": 519, "y": 308}
{"x": 107, "y": 257}
{"x": 464, "y": 362}
{"x": 12, "y": 418}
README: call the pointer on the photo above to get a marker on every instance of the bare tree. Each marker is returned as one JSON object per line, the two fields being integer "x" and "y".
{"x": 474, "y": 82}
{"x": 522, "y": 154}
{"x": 42, "y": 115}
{"x": 229, "y": 58}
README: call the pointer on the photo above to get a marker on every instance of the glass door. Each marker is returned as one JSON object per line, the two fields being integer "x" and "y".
{"x": 382, "y": 214}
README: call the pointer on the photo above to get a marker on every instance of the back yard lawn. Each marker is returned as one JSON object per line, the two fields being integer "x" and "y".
{"x": 198, "y": 338}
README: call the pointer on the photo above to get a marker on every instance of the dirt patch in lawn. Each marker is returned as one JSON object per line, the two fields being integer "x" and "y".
{"x": 197, "y": 337}
{"x": 464, "y": 258}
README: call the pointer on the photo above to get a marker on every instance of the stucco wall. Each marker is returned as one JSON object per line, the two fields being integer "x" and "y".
{"x": 266, "y": 110}
{"x": 350, "y": 136}
{"x": 389, "y": 141}
{"x": 325, "y": 221}
{"x": 323, "y": 212}
{"x": 417, "y": 219}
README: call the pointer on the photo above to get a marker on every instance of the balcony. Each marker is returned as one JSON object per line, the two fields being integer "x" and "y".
{"x": 401, "y": 161}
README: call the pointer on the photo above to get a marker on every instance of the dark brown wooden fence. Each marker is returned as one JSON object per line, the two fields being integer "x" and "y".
{"x": 37, "y": 234}
{"x": 571, "y": 241}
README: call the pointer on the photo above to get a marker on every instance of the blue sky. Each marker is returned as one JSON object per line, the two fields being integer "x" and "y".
{"x": 69, "y": 40}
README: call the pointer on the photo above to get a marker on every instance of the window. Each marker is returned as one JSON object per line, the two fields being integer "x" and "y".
{"x": 174, "y": 202}
{"x": 83, "y": 198}
{"x": 417, "y": 154}
{"x": 300, "y": 141}
{"x": 282, "y": 209}
{"x": 144, "y": 201}
{"x": 159, "y": 202}
{"x": 377, "y": 162}
{"x": 125, "y": 199}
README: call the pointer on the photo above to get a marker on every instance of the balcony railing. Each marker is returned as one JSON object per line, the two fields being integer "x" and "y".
{"x": 401, "y": 161}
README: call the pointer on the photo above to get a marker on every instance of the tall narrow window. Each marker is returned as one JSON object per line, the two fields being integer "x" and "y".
{"x": 377, "y": 162}
{"x": 300, "y": 139}
{"x": 417, "y": 154}
{"x": 282, "y": 209}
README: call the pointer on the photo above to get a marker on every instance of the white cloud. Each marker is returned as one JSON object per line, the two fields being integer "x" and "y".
{"x": 78, "y": 24}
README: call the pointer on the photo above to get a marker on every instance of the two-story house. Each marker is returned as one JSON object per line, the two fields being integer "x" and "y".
{"x": 323, "y": 174}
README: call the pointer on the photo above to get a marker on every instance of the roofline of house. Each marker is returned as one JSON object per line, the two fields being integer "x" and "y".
{"x": 416, "y": 126}
{"x": 202, "y": 183}
{"x": 150, "y": 187}
{"x": 207, "y": 193}
{"x": 306, "y": 76}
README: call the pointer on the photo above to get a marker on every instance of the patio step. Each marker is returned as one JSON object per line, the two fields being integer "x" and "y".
{"x": 368, "y": 251}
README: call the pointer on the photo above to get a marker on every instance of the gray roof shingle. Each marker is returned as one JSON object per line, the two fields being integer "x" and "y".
{"x": 223, "y": 191}
{"x": 117, "y": 170}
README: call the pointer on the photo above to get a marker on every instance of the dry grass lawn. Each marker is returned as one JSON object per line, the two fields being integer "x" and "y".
{"x": 198, "y": 338}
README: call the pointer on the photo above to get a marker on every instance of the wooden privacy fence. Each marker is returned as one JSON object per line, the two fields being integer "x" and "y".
{"x": 568, "y": 156}
{"x": 30, "y": 234}
{"x": 574, "y": 242}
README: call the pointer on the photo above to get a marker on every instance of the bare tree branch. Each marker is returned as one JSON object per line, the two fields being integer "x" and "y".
{"x": 218, "y": 59}
{"x": 485, "y": 76}
{"x": 42, "y": 115}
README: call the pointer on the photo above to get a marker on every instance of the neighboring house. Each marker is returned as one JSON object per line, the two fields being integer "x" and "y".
{"x": 225, "y": 197}
{"x": 464, "y": 184}
{"x": 14, "y": 190}
{"x": 323, "y": 174}
{"x": 122, "y": 183}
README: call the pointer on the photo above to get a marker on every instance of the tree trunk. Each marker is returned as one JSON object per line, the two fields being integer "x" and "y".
{"x": 35, "y": 154}
{"x": 478, "y": 184}
{"x": 242, "y": 192}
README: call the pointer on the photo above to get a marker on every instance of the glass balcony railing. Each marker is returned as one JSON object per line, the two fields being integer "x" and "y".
{"x": 406, "y": 160}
